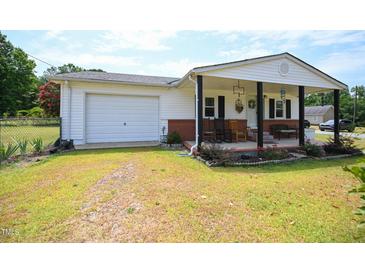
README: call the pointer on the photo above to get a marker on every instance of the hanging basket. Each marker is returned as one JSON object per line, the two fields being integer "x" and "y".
{"x": 239, "y": 105}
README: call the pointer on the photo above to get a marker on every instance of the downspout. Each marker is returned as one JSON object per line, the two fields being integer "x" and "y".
{"x": 69, "y": 109}
{"x": 196, "y": 116}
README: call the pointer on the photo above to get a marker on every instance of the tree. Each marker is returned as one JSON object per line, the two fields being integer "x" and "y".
{"x": 347, "y": 101}
{"x": 49, "y": 99}
{"x": 66, "y": 68}
{"x": 18, "y": 82}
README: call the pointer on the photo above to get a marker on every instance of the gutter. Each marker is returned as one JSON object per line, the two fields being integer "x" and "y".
{"x": 108, "y": 81}
{"x": 196, "y": 116}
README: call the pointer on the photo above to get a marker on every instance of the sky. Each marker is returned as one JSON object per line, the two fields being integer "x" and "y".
{"x": 173, "y": 53}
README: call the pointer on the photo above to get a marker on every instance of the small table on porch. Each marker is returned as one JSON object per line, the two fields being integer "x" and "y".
{"x": 288, "y": 132}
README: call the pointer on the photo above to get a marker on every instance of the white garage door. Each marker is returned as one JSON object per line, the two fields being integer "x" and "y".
{"x": 114, "y": 118}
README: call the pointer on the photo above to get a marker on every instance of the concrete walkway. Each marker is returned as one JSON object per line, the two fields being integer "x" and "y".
{"x": 357, "y": 135}
{"x": 117, "y": 145}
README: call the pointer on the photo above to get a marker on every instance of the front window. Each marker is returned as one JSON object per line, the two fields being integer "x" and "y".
{"x": 279, "y": 109}
{"x": 209, "y": 106}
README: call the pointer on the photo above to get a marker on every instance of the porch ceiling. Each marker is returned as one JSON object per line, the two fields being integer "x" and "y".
{"x": 226, "y": 84}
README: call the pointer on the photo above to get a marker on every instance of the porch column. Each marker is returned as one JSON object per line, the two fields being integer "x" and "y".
{"x": 260, "y": 115}
{"x": 336, "y": 111}
{"x": 301, "y": 115}
{"x": 199, "y": 128}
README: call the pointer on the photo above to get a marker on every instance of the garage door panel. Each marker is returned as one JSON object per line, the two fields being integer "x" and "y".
{"x": 113, "y": 118}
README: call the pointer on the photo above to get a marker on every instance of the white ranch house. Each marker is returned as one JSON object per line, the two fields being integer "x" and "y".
{"x": 253, "y": 95}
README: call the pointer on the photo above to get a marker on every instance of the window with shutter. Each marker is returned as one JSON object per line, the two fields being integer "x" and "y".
{"x": 271, "y": 108}
{"x": 288, "y": 109}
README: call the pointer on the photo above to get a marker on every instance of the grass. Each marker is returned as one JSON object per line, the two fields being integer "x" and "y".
{"x": 181, "y": 200}
{"x": 358, "y": 130}
{"x": 49, "y": 134}
{"x": 359, "y": 142}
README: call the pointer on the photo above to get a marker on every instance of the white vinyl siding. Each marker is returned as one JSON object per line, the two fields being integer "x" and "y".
{"x": 268, "y": 71}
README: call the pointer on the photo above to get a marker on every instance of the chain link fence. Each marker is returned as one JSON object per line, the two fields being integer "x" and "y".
{"x": 13, "y": 130}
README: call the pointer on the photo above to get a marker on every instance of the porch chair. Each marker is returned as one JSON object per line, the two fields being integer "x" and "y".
{"x": 220, "y": 131}
{"x": 237, "y": 134}
{"x": 209, "y": 131}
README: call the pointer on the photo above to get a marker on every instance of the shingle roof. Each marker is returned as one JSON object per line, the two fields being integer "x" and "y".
{"x": 317, "y": 110}
{"x": 114, "y": 77}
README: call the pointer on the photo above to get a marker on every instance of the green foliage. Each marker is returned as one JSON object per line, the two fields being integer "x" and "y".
{"x": 273, "y": 153}
{"x": 216, "y": 153}
{"x": 130, "y": 210}
{"x": 314, "y": 150}
{"x": 35, "y": 112}
{"x": 344, "y": 146}
{"x": 22, "y": 145}
{"x": 347, "y": 102}
{"x": 18, "y": 84}
{"x": 174, "y": 138}
{"x": 66, "y": 68}
{"x": 359, "y": 172}
{"x": 37, "y": 144}
{"x": 7, "y": 151}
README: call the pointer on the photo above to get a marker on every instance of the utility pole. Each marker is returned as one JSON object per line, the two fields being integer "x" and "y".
{"x": 355, "y": 105}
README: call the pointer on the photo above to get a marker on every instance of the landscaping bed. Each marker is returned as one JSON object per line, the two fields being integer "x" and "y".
{"x": 214, "y": 155}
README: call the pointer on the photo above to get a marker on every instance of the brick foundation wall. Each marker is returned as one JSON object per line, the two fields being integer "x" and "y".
{"x": 186, "y": 128}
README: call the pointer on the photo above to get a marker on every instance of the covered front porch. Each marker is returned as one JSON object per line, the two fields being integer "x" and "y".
{"x": 258, "y": 104}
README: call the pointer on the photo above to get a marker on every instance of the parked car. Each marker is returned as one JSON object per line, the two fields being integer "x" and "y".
{"x": 344, "y": 125}
{"x": 307, "y": 124}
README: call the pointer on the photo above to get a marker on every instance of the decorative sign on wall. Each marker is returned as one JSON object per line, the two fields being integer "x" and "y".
{"x": 238, "y": 105}
{"x": 252, "y": 104}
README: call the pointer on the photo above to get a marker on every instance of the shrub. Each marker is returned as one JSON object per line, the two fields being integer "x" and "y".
{"x": 216, "y": 153}
{"x": 37, "y": 144}
{"x": 22, "y": 144}
{"x": 314, "y": 150}
{"x": 344, "y": 146}
{"x": 273, "y": 153}
{"x": 7, "y": 151}
{"x": 174, "y": 138}
{"x": 359, "y": 172}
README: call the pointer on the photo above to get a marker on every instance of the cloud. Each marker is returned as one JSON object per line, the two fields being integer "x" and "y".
{"x": 88, "y": 60}
{"x": 290, "y": 40}
{"x": 55, "y": 34}
{"x": 176, "y": 68}
{"x": 141, "y": 40}
{"x": 252, "y": 50}
{"x": 351, "y": 60}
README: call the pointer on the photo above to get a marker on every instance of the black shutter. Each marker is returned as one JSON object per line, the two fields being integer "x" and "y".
{"x": 271, "y": 108}
{"x": 221, "y": 111}
{"x": 288, "y": 109}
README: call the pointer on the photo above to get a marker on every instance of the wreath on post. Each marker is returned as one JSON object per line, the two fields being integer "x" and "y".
{"x": 252, "y": 104}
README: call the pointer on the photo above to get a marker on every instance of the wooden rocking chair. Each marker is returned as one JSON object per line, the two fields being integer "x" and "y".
{"x": 237, "y": 134}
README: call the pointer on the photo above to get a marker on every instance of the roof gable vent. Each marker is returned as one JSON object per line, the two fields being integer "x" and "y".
{"x": 283, "y": 68}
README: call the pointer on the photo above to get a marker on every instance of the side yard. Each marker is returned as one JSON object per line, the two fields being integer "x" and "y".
{"x": 152, "y": 195}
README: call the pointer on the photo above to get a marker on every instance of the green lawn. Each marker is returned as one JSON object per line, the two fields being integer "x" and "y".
{"x": 359, "y": 142}
{"x": 49, "y": 134}
{"x": 152, "y": 195}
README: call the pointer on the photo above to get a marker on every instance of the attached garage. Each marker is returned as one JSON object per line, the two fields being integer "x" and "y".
{"x": 121, "y": 118}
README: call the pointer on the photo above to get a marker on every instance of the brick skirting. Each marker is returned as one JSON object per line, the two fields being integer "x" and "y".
{"x": 186, "y": 128}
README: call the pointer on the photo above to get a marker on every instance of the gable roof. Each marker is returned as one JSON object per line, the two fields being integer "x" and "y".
{"x": 115, "y": 77}
{"x": 173, "y": 81}
{"x": 317, "y": 110}
{"x": 203, "y": 69}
